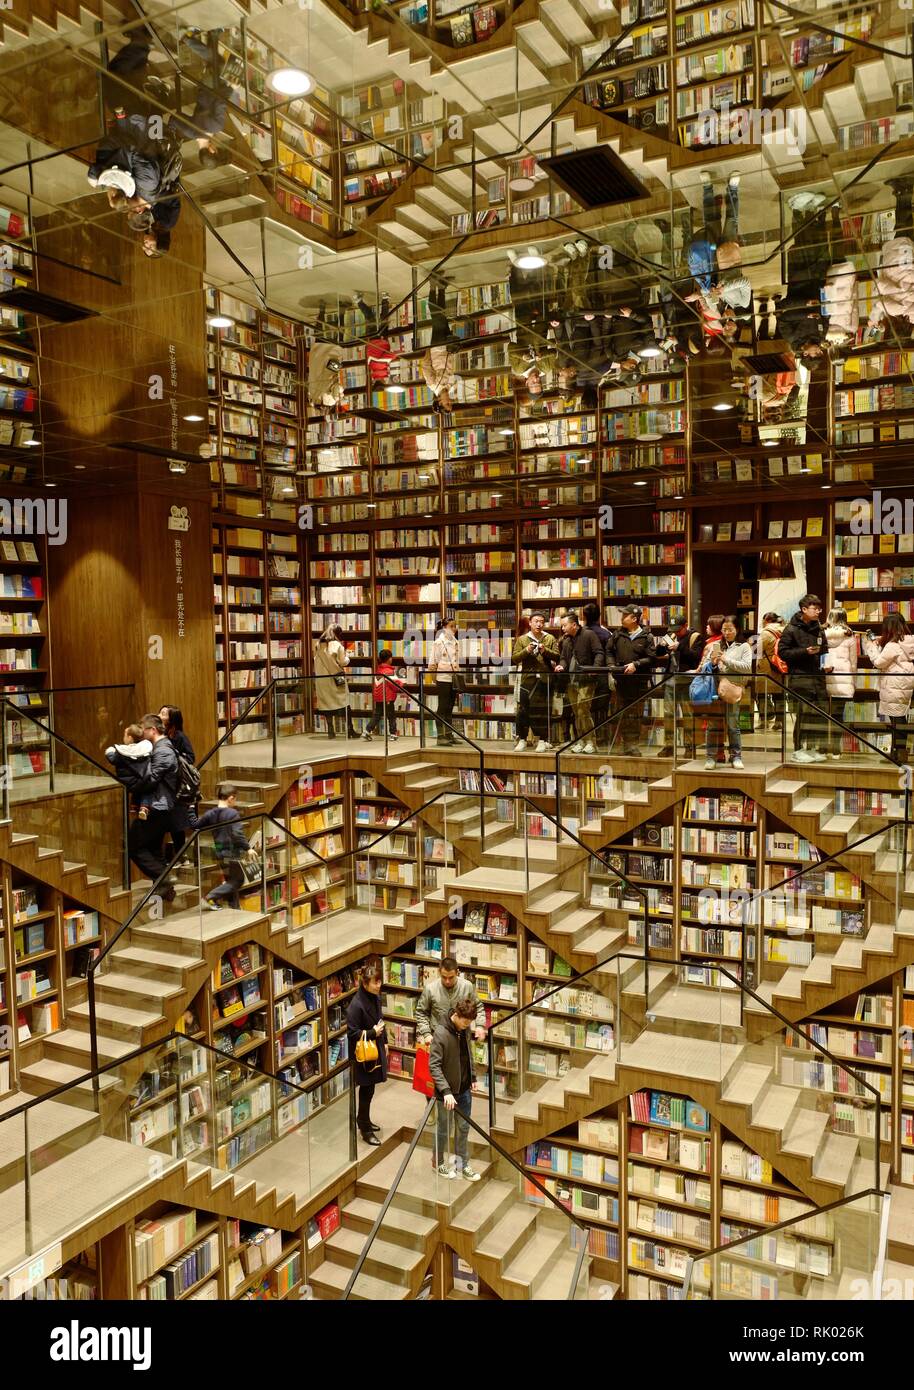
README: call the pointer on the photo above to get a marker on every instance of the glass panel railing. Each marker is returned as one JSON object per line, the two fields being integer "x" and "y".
{"x": 802, "y": 922}
{"x": 527, "y": 1245}
{"x": 837, "y": 1252}
{"x": 90, "y": 718}
{"x": 86, "y": 1146}
{"x": 69, "y": 799}
{"x": 823, "y": 1113}
{"x": 577, "y": 909}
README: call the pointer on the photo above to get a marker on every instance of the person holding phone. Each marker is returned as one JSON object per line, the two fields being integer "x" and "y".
{"x": 536, "y": 652}
{"x": 364, "y": 1016}
{"x": 802, "y": 647}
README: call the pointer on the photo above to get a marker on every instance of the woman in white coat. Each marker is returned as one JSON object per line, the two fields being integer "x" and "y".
{"x": 840, "y": 683}
{"x": 331, "y": 696}
{"x": 731, "y": 658}
{"x": 892, "y": 653}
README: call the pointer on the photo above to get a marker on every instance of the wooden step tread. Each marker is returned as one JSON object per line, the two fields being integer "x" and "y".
{"x": 803, "y": 1134}
{"x": 63, "y": 1073}
{"x": 539, "y": 1254}
{"x": 745, "y": 1082}
{"x": 335, "y": 1277}
{"x": 108, "y": 1048}
{"x": 137, "y": 984}
{"x": 118, "y": 1013}
{"x": 484, "y": 1203}
{"x": 775, "y": 1109}
{"x": 504, "y": 1234}
{"x": 836, "y": 1159}
{"x": 347, "y": 1242}
{"x": 407, "y": 1222}
{"x": 142, "y": 955}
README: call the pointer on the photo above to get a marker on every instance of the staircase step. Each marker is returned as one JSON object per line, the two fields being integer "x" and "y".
{"x": 486, "y": 1206}
{"x": 114, "y": 1017}
{"x": 775, "y": 1108}
{"x": 554, "y": 902}
{"x": 839, "y": 825}
{"x": 71, "y": 1040}
{"x": 405, "y": 1227}
{"x": 163, "y": 963}
{"x": 330, "y": 1279}
{"x": 804, "y": 1131}
{"x": 47, "y": 1073}
{"x": 536, "y": 1261}
{"x": 745, "y": 1082}
{"x": 509, "y": 1235}
{"x": 134, "y": 988}
{"x": 835, "y": 1161}
{"x": 385, "y": 1260}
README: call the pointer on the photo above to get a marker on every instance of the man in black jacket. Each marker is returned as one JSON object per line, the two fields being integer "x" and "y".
{"x": 599, "y": 706}
{"x": 583, "y": 657}
{"x": 634, "y": 655}
{"x": 801, "y": 647}
{"x": 451, "y": 1068}
{"x": 677, "y": 655}
{"x": 157, "y": 791}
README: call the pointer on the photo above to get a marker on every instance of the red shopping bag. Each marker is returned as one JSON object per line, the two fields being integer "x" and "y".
{"x": 422, "y": 1077}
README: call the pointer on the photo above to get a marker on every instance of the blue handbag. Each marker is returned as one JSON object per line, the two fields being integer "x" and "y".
{"x": 703, "y": 687}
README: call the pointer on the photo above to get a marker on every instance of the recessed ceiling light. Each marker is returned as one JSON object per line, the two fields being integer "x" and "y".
{"x": 219, "y": 321}
{"x": 805, "y": 470}
{"x": 290, "y": 82}
{"x": 678, "y": 496}
{"x": 769, "y": 443}
{"x": 50, "y": 484}
{"x": 288, "y": 488}
{"x": 194, "y": 419}
{"x": 80, "y": 466}
{"x": 494, "y": 496}
{"x": 722, "y": 405}
{"x": 31, "y": 443}
{"x": 649, "y": 352}
{"x": 640, "y": 482}
{"x": 826, "y": 487}
{"x": 530, "y": 259}
{"x": 395, "y": 388}
{"x": 649, "y": 436}
{"x": 505, "y": 431}
{"x": 371, "y": 506}
{"x": 521, "y": 184}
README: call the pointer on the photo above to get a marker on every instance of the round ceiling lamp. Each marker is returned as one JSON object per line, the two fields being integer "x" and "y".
{"x": 290, "y": 82}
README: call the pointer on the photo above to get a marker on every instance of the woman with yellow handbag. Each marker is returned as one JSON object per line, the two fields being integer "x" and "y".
{"x": 367, "y": 1044}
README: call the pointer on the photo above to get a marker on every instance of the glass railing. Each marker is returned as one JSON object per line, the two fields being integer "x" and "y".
{"x": 321, "y": 900}
{"x": 525, "y": 1240}
{"x": 69, "y": 799}
{"x": 824, "y": 1108}
{"x": 797, "y": 917}
{"x": 112, "y": 1133}
{"x": 835, "y": 1253}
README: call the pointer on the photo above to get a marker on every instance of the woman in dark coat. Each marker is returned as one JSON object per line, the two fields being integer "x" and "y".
{"x": 364, "y": 1016}
{"x": 173, "y": 720}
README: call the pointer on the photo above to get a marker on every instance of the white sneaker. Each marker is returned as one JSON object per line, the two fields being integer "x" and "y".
{"x": 705, "y": 175}
{"x": 710, "y": 764}
{"x": 543, "y": 746}
{"x": 835, "y": 757}
{"x": 589, "y": 748}
{"x": 470, "y": 1174}
{"x": 366, "y": 736}
{"x": 733, "y": 179}
{"x": 816, "y": 757}
{"x": 446, "y": 1171}
{"x": 520, "y": 746}
{"x": 738, "y": 762}
{"x": 577, "y": 747}
{"x": 801, "y": 756}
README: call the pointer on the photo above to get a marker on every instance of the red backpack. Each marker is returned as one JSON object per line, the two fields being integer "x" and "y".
{"x": 776, "y": 660}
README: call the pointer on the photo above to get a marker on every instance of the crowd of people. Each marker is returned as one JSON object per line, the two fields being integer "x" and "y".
{"x": 585, "y": 686}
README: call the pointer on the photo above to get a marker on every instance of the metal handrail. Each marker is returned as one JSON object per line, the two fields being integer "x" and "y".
{"x": 503, "y": 1153}
{"x": 732, "y": 1247}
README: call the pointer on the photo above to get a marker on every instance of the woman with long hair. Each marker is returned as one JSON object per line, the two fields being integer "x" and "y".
{"x": 892, "y": 654}
{"x": 331, "y": 696}
{"x": 445, "y": 667}
{"x": 839, "y": 683}
{"x": 365, "y": 1022}
{"x": 732, "y": 658}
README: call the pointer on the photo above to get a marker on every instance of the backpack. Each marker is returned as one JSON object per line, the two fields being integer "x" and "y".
{"x": 777, "y": 661}
{"x": 187, "y": 782}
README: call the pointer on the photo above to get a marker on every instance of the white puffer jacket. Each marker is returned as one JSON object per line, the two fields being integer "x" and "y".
{"x": 840, "y": 300}
{"x": 894, "y": 281}
{"x": 842, "y": 658}
{"x": 896, "y": 661}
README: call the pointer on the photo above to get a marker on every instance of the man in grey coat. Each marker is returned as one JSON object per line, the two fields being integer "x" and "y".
{"x": 438, "y": 998}
{"x": 451, "y": 1069}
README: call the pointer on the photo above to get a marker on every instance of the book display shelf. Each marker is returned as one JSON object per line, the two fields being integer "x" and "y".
{"x": 384, "y": 129}
{"x": 46, "y": 943}
{"x": 453, "y": 22}
{"x": 186, "y": 1254}
{"x": 658, "y": 1180}
{"x": 680, "y": 60}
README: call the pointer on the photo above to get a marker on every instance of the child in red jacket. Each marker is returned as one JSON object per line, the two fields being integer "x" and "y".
{"x": 384, "y": 693}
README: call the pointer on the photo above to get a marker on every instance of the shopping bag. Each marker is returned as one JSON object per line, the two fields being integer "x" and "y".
{"x": 422, "y": 1077}
{"x": 702, "y": 688}
{"x": 729, "y": 691}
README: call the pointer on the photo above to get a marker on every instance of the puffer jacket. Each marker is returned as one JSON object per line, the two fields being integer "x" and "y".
{"x": 767, "y": 638}
{"x": 842, "y": 658}
{"x": 894, "y": 281}
{"x": 840, "y": 302}
{"x": 735, "y": 662}
{"x": 896, "y": 662}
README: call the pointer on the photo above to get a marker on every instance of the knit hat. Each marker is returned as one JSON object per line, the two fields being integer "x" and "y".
{"x": 118, "y": 178}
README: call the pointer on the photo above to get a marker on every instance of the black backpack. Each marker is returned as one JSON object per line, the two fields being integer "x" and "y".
{"x": 187, "y": 782}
